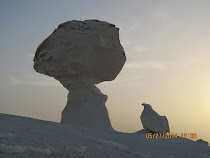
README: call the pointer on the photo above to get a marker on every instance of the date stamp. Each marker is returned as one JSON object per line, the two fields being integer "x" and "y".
{"x": 170, "y": 135}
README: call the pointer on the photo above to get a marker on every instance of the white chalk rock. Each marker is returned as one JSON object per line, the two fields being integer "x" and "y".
{"x": 152, "y": 121}
{"x": 81, "y": 54}
{"x": 87, "y": 50}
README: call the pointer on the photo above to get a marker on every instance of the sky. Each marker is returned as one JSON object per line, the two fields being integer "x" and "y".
{"x": 167, "y": 49}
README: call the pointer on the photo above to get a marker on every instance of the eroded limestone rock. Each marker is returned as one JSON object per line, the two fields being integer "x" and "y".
{"x": 81, "y": 54}
{"x": 152, "y": 121}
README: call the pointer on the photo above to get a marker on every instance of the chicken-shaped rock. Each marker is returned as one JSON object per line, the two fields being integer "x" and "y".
{"x": 152, "y": 121}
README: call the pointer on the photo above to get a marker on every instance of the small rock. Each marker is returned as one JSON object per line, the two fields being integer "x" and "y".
{"x": 202, "y": 142}
{"x": 81, "y": 149}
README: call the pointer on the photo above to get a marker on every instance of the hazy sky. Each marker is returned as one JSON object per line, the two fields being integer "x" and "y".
{"x": 167, "y": 45}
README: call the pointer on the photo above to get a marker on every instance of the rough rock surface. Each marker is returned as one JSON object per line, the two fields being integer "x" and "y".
{"x": 22, "y": 137}
{"x": 152, "y": 121}
{"x": 81, "y": 54}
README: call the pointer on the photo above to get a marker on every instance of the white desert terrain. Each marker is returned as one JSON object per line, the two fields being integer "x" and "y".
{"x": 81, "y": 54}
{"x": 22, "y": 137}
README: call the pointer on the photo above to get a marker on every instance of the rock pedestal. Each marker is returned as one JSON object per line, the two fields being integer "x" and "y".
{"x": 81, "y": 54}
{"x": 86, "y": 107}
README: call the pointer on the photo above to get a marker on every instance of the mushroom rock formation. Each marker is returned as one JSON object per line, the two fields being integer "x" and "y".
{"x": 81, "y": 54}
{"x": 152, "y": 121}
